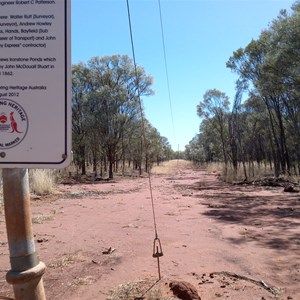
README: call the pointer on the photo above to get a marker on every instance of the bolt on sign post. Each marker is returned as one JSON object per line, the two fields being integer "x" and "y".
{"x": 35, "y": 120}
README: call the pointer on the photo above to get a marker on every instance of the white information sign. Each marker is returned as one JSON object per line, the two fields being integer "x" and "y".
{"x": 35, "y": 84}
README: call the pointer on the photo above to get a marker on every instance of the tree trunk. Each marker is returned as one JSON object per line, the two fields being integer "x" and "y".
{"x": 82, "y": 159}
{"x": 123, "y": 164}
{"x": 110, "y": 172}
{"x": 285, "y": 154}
{"x": 146, "y": 163}
{"x": 101, "y": 168}
{"x": 276, "y": 153}
{"x": 95, "y": 166}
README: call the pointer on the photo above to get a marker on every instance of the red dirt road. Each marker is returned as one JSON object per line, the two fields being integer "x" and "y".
{"x": 230, "y": 242}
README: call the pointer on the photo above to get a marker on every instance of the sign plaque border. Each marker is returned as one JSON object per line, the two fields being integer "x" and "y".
{"x": 46, "y": 162}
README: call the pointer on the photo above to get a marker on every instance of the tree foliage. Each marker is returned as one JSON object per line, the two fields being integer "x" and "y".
{"x": 107, "y": 123}
{"x": 266, "y": 127}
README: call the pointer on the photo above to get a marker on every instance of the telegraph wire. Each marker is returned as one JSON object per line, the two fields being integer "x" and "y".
{"x": 166, "y": 68}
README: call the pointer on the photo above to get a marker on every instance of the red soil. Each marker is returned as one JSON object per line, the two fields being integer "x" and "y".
{"x": 230, "y": 242}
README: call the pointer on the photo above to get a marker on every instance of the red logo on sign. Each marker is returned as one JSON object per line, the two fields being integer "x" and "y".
{"x": 13, "y": 123}
{"x": 3, "y": 118}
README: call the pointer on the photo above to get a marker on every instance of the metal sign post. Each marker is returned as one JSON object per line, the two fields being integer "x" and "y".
{"x": 35, "y": 120}
{"x": 26, "y": 270}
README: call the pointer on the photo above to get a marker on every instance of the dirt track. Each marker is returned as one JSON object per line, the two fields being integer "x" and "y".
{"x": 230, "y": 242}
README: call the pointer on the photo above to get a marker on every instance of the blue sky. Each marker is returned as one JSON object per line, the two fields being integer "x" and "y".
{"x": 200, "y": 36}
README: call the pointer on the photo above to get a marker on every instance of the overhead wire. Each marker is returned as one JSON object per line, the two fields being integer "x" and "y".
{"x": 166, "y": 68}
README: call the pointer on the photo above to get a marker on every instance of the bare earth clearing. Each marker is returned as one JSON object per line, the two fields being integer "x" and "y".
{"x": 230, "y": 242}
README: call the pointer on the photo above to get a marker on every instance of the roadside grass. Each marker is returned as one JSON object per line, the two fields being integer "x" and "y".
{"x": 215, "y": 167}
{"x": 171, "y": 167}
{"x": 253, "y": 172}
{"x": 42, "y": 181}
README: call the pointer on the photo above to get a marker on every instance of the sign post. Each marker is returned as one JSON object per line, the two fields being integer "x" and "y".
{"x": 35, "y": 120}
{"x": 26, "y": 270}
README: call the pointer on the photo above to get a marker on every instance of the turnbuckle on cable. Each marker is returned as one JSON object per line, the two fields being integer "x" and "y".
{"x": 157, "y": 250}
{"x": 157, "y": 253}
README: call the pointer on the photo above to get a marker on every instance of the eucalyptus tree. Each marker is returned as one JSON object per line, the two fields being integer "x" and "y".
{"x": 235, "y": 132}
{"x": 81, "y": 89}
{"x": 257, "y": 144}
{"x": 166, "y": 152}
{"x": 117, "y": 86}
{"x": 157, "y": 147}
{"x": 133, "y": 146}
{"x": 283, "y": 70}
{"x": 270, "y": 66}
{"x": 254, "y": 64}
{"x": 267, "y": 126}
{"x": 209, "y": 139}
{"x": 194, "y": 151}
{"x": 215, "y": 108}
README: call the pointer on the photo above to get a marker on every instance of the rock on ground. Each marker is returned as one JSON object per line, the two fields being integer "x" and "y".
{"x": 184, "y": 290}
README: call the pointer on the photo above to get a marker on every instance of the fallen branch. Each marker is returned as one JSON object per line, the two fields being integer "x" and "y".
{"x": 274, "y": 291}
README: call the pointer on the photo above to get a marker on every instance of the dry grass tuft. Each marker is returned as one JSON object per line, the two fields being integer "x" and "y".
{"x": 87, "y": 280}
{"x": 42, "y": 181}
{"x": 40, "y": 219}
{"x": 215, "y": 167}
{"x": 143, "y": 289}
{"x": 66, "y": 260}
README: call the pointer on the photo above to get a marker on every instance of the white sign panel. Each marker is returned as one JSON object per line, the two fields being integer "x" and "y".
{"x": 35, "y": 84}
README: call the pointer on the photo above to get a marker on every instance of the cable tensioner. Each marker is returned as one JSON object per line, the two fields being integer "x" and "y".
{"x": 157, "y": 253}
{"x": 157, "y": 249}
